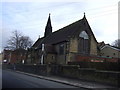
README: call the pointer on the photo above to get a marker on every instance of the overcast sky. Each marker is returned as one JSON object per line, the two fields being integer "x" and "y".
{"x": 30, "y": 18}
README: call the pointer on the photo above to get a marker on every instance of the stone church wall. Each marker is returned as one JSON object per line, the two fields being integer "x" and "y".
{"x": 73, "y": 45}
{"x": 73, "y": 48}
{"x": 93, "y": 46}
{"x": 60, "y": 58}
{"x": 50, "y": 58}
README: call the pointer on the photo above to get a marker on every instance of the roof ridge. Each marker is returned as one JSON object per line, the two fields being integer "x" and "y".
{"x": 110, "y": 46}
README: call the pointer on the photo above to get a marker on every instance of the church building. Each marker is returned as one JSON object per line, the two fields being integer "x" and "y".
{"x": 62, "y": 46}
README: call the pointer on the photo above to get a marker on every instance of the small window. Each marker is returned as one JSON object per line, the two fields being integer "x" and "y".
{"x": 43, "y": 47}
{"x": 61, "y": 49}
{"x": 113, "y": 53}
{"x": 52, "y": 57}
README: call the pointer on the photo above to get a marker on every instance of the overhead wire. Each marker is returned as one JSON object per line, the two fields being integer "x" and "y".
{"x": 93, "y": 9}
{"x": 38, "y": 9}
{"x": 92, "y": 15}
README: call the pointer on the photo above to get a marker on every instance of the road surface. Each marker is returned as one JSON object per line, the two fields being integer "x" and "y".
{"x": 11, "y": 79}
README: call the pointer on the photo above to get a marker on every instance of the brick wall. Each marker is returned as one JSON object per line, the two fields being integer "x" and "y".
{"x": 84, "y": 58}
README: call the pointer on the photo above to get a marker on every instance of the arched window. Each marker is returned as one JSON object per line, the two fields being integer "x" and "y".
{"x": 84, "y": 35}
{"x": 83, "y": 43}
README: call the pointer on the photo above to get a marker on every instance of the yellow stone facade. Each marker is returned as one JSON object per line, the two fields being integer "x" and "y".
{"x": 93, "y": 46}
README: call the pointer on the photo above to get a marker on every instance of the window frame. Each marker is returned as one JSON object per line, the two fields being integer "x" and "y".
{"x": 83, "y": 42}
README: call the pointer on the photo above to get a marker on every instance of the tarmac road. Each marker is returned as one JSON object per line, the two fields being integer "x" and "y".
{"x": 11, "y": 79}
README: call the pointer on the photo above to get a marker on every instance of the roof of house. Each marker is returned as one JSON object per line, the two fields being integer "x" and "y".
{"x": 37, "y": 43}
{"x": 65, "y": 33}
{"x": 20, "y": 50}
{"x": 107, "y": 45}
{"x": 100, "y": 45}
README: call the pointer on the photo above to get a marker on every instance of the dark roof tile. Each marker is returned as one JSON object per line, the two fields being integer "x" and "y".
{"x": 37, "y": 43}
{"x": 65, "y": 33}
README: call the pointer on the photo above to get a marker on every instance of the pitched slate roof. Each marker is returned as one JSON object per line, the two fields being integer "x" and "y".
{"x": 38, "y": 42}
{"x": 109, "y": 46}
{"x": 65, "y": 33}
{"x": 62, "y": 34}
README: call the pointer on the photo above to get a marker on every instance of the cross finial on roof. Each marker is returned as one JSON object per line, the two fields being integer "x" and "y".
{"x": 84, "y": 14}
{"x": 39, "y": 36}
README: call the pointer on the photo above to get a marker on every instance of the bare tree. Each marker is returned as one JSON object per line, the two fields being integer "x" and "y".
{"x": 25, "y": 42}
{"x": 116, "y": 43}
{"x": 18, "y": 41}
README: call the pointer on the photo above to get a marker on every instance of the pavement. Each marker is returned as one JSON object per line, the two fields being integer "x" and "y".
{"x": 74, "y": 82}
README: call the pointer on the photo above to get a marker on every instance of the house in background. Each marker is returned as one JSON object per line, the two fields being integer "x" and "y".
{"x": 63, "y": 45}
{"x": 6, "y": 55}
{"x": 107, "y": 50}
{"x": 14, "y": 56}
{"x": 1, "y": 58}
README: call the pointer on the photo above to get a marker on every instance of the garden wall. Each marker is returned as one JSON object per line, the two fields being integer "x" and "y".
{"x": 70, "y": 71}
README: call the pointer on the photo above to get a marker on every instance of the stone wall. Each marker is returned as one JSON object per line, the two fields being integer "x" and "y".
{"x": 73, "y": 48}
{"x": 60, "y": 58}
{"x": 35, "y": 69}
{"x": 70, "y": 71}
{"x": 93, "y": 46}
{"x": 107, "y": 77}
{"x": 50, "y": 58}
{"x": 73, "y": 45}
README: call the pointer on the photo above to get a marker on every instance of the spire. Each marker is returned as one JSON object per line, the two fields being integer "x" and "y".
{"x": 48, "y": 28}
